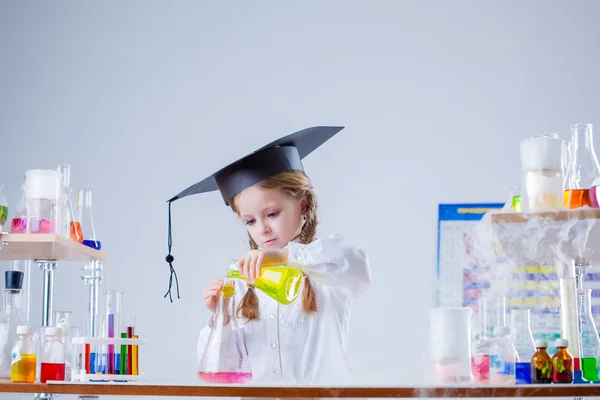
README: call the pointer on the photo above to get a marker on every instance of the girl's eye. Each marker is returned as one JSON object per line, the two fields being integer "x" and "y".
{"x": 250, "y": 222}
{"x": 273, "y": 214}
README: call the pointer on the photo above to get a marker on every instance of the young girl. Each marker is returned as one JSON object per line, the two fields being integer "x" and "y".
{"x": 303, "y": 342}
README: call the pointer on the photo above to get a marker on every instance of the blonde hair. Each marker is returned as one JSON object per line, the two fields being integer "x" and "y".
{"x": 297, "y": 186}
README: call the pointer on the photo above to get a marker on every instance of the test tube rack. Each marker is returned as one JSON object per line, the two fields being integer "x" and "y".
{"x": 83, "y": 376}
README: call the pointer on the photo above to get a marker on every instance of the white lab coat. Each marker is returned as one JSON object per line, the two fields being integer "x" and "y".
{"x": 285, "y": 346}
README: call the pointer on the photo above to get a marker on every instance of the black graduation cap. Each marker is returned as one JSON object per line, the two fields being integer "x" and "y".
{"x": 284, "y": 154}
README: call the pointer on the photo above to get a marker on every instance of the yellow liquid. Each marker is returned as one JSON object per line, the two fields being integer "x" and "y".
{"x": 24, "y": 370}
{"x": 281, "y": 283}
{"x": 228, "y": 290}
{"x": 134, "y": 357}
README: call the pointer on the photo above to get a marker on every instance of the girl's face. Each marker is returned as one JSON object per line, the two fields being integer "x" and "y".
{"x": 272, "y": 218}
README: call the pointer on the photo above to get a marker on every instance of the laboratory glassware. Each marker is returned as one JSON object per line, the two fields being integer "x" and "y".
{"x": 225, "y": 356}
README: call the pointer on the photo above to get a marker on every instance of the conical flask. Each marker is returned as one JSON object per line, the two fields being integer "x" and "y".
{"x": 69, "y": 224}
{"x": 279, "y": 280}
{"x": 84, "y": 206}
{"x": 225, "y": 358}
{"x": 589, "y": 341}
{"x": 583, "y": 167}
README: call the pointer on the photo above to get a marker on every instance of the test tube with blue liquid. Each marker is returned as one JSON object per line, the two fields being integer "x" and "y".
{"x": 84, "y": 203}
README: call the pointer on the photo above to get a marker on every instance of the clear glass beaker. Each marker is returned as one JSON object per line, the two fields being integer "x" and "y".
{"x": 225, "y": 357}
{"x": 590, "y": 343}
{"x": 42, "y": 194}
{"x": 69, "y": 225}
{"x": 84, "y": 201}
{"x": 583, "y": 167}
{"x": 543, "y": 166}
{"x": 450, "y": 344}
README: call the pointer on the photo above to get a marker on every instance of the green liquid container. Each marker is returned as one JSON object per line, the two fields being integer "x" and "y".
{"x": 281, "y": 282}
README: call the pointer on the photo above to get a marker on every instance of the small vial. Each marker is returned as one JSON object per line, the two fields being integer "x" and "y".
{"x": 562, "y": 363}
{"x": 541, "y": 363}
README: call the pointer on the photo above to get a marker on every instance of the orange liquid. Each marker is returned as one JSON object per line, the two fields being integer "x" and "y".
{"x": 576, "y": 198}
{"x": 76, "y": 231}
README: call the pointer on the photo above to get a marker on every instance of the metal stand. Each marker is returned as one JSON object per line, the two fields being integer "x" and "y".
{"x": 48, "y": 267}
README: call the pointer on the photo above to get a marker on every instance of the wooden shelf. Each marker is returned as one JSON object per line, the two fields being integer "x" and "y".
{"x": 126, "y": 389}
{"x": 545, "y": 237}
{"x": 45, "y": 247}
{"x": 563, "y": 215}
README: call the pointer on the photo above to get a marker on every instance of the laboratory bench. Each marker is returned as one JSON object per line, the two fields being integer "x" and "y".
{"x": 148, "y": 389}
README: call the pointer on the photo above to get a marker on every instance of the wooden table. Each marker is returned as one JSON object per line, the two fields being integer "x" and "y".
{"x": 127, "y": 389}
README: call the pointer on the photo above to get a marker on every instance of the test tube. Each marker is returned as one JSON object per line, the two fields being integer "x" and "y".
{"x": 134, "y": 356}
{"x": 130, "y": 332}
{"x": 113, "y": 304}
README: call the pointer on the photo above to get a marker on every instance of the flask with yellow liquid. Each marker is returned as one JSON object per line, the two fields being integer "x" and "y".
{"x": 278, "y": 279}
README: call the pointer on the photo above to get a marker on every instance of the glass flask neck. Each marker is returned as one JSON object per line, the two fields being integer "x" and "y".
{"x": 11, "y": 297}
{"x": 585, "y": 301}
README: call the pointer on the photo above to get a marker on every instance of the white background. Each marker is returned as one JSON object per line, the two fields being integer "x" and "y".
{"x": 144, "y": 98}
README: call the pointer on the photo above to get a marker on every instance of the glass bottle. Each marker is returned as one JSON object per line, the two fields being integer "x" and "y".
{"x": 541, "y": 363}
{"x": 279, "y": 280}
{"x": 583, "y": 167}
{"x": 10, "y": 318}
{"x": 225, "y": 357}
{"x": 53, "y": 356}
{"x": 562, "y": 363}
{"x": 3, "y": 209}
{"x": 24, "y": 360}
{"x": 84, "y": 201}
{"x": 522, "y": 338}
{"x": 589, "y": 341}
{"x": 70, "y": 226}
{"x": 503, "y": 357}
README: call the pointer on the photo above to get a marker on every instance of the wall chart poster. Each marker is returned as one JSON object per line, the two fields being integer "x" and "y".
{"x": 462, "y": 279}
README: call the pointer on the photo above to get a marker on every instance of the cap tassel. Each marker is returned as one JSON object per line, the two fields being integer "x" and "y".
{"x": 169, "y": 258}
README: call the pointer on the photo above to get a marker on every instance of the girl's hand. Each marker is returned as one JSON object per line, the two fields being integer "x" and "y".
{"x": 211, "y": 295}
{"x": 251, "y": 264}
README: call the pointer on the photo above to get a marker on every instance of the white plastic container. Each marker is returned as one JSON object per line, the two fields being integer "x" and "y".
{"x": 450, "y": 344}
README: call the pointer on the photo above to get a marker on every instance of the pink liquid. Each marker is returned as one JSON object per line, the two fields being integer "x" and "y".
{"x": 19, "y": 225}
{"x": 480, "y": 368}
{"x": 225, "y": 377}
